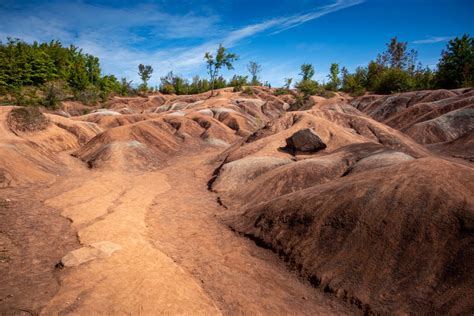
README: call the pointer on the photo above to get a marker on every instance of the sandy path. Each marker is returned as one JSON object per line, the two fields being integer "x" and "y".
{"x": 138, "y": 278}
{"x": 240, "y": 277}
{"x": 175, "y": 257}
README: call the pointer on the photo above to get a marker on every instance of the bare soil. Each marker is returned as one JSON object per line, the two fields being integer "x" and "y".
{"x": 177, "y": 256}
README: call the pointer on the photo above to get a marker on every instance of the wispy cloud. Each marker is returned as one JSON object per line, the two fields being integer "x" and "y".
{"x": 432, "y": 40}
{"x": 143, "y": 33}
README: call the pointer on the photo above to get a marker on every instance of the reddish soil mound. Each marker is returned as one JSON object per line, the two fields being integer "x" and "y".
{"x": 335, "y": 127}
{"x": 463, "y": 147}
{"x": 178, "y": 123}
{"x": 396, "y": 239}
{"x": 109, "y": 119}
{"x": 373, "y": 218}
{"x": 351, "y": 197}
{"x": 429, "y": 117}
{"x": 29, "y": 156}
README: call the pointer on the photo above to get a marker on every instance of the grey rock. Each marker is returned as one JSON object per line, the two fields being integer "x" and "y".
{"x": 304, "y": 141}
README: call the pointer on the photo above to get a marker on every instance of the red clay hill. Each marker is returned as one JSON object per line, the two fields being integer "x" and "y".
{"x": 367, "y": 204}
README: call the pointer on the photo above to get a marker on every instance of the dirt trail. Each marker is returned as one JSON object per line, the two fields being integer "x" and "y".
{"x": 174, "y": 255}
{"x": 238, "y": 276}
{"x": 137, "y": 279}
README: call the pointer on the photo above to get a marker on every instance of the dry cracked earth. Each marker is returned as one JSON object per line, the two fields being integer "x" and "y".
{"x": 232, "y": 204}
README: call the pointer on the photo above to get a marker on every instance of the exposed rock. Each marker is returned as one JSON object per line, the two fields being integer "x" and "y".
{"x": 102, "y": 249}
{"x": 304, "y": 141}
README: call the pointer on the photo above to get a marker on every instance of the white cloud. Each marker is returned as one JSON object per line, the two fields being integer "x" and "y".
{"x": 124, "y": 37}
{"x": 433, "y": 39}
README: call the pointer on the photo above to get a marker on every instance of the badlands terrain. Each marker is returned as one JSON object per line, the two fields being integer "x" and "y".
{"x": 234, "y": 205}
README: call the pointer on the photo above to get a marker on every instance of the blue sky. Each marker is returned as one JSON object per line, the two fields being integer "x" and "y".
{"x": 279, "y": 34}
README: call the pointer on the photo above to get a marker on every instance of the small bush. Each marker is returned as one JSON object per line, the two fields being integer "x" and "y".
{"x": 299, "y": 103}
{"x": 394, "y": 80}
{"x": 248, "y": 91}
{"x": 327, "y": 94}
{"x": 89, "y": 96}
{"x": 27, "y": 96}
{"x": 359, "y": 91}
{"x": 308, "y": 87}
{"x": 282, "y": 91}
{"x": 54, "y": 93}
{"x": 167, "y": 89}
{"x": 27, "y": 119}
{"x": 238, "y": 82}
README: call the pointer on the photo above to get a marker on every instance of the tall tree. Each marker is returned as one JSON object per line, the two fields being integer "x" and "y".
{"x": 307, "y": 71}
{"x": 398, "y": 56}
{"x": 145, "y": 71}
{"x": 223, "y": 58}
{"x": 254, "y": 70}
{"x": 333, "y": 76}
{"x": 93, "y": 69}
{"x": 456, "y": 66}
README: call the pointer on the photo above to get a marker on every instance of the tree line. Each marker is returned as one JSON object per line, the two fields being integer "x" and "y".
{"x": 46, "y": 73}
{"x": 397, "y": 70}
{"x": 175, "y": 84}
{"x": 394, "y": 70}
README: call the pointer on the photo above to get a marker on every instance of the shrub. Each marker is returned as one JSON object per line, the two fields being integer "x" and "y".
{"x": 27, "y": 119}
{"x": 308, "y": 87}
{"x": 89, "y": 96}
{"x": 282, "y": 91}
{"x": 394, "y": 80}
{"x": 143, "y": 88}
{"x": 299, "y": 103}
{"x": 248, "y": 91}
{"x": 27, "y": 96}
{"x": 54, "y": 93}
{"x": 327, "y": 94}
{"x": 352, "y": 85}
{"x": 359, "y": 91}
{"x": 238, "y": 82}
{"x": 167, "y": 89}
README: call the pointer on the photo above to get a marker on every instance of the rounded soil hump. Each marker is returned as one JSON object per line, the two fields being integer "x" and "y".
{"x": 27, "y": 119}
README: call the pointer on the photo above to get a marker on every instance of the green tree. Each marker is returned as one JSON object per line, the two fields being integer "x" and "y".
{"x": 307, "y": 71}
{"x": 254, "y": 70}
{"x": 456, "y": 66}
{"x": 223, "y": 58}
{"x": 238, "y": 82}
{"x": 354, "y": 83}
{"x": 308, "y": 87}
{"x": 423, "y": 78}
{"x": 333, "y": 76}
{"x": 374, "y": 72}
{"x": 145, "y": 72}
{"x": 78, "y": 77}
{"x": 394, "y": 80}
{"x": 398, "y": 56}
{"x": 93, "y": 69}
{"x": 50, "y": 71}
